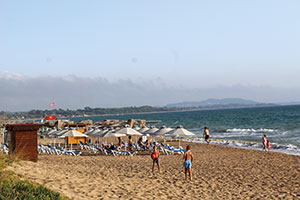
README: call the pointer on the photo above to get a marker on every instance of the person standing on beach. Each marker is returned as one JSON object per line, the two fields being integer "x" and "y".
{"x": 187, "y": 162}
{"x": 268, "y": 145}
{"x": 264, "y": 141}
{"x": 119, "y": 143}
{"x": 206, "y": 134}
{"x": 155, "y": 157}
{"x": 130, "y": 144}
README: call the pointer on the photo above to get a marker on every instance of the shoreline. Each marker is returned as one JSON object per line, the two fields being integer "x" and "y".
{"x": 249, "y": 147}
{"x": 254, "y": 149}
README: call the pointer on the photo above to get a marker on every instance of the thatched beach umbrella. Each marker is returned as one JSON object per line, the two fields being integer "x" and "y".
{"x": 49, "y": 132}
{"x": 144, "y": 129}
{"x": 113, "y": 134}
{"x": 110, "y": 134}
{"x": 95, "y": 132}
{"x": 73, "y": 133}
{"x": 180, "y": 132}
{"x": 136, "y": 128}
{"x": 60, "y": 133}
{"x": 106, "y": 133}
{"x": 103, "y": 132}
{"x": 162, "y": 131}
{"x": 129, "y": 131}
{"x": 53, "y": 134}
{"x": 151, "y": 131}
{"x": 87, "y": 132}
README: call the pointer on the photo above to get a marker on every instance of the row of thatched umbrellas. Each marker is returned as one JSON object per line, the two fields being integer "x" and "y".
{"x": 126, "y": 131}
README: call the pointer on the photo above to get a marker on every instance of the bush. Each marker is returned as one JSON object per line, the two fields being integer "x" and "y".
{"x": 17, "y": 189}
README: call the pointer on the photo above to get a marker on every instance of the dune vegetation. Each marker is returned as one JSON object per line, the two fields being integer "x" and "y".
{"x": 12, "y": 186}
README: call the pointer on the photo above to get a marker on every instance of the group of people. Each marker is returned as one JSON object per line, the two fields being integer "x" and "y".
{"x": 188, "y": 156}
{"x": 266, "y": 143}
{"x": 144, "y": 144}
{"x": 265, "y": 140}
{"x": 187, "y": 159}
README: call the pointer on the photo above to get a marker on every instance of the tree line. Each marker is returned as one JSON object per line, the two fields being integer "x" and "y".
{"x": 84, "y": 112}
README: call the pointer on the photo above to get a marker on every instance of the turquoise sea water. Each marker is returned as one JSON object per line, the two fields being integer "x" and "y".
{"x": 281, "y": 124}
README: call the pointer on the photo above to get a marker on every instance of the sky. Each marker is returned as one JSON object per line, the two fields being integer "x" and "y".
{"x": 129, "y": 53}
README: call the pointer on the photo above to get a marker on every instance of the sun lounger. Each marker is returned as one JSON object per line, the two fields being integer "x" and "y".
{"x": 54, "y": 150}
{"x": 130, "y": 153}
{"x": 93, "y": 148}
{"x": 85, "y": 146}
{"x": 42, "y": 149}
{"x": 45, "y": 149}
{"x": 117, "y": 152}
{"x": 70, "y": 152}
{"x": 4, "y": 148}
{"x": 172, "y": 150}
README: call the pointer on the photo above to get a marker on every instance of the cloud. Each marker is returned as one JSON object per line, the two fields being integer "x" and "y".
{"x": 21, "y": 93}
{"x": 10, "y": 76}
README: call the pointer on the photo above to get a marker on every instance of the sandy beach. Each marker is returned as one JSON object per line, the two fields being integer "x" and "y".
{"x": 218, "y": 173}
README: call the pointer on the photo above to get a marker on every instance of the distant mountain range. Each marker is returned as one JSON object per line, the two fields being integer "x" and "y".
{"x": 289, "y": 103}
{"x": 215, "y": 102}
{"x": 207, "y": 104}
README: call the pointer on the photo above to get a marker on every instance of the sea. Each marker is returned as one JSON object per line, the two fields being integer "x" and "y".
{"x": 241, "y": 128}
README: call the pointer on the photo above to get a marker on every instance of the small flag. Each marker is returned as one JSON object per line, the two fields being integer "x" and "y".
{"x": 50, "y": 118}
{"x": 52, "y": 104}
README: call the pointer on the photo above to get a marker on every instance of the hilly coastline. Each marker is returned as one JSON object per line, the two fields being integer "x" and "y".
{"x": 226, "y": 102}
{"x": 183, "y": 106}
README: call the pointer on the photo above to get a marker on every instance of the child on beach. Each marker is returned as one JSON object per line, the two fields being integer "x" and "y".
{"x": 187, "y": 162}
{"x": 155, "y": 157}
{"x": 268, "y": 145}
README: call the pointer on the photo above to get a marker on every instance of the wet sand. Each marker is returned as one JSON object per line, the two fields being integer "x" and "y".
{"x": 218, "y": 173}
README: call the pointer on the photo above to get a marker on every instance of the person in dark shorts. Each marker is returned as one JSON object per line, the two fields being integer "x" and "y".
{"x": 130, "y": 143}
{"x": 119, "y": 142}
{"x": 155, "y": 157}
{"x": 206, "y": 134}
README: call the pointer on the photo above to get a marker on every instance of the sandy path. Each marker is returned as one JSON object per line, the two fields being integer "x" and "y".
{"x": 219, "y": 173}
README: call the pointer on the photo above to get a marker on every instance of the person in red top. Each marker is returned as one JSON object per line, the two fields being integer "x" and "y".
{"x": 155, "y": 157}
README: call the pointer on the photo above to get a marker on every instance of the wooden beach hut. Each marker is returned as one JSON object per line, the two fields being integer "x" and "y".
{"x": 23, "y": 141}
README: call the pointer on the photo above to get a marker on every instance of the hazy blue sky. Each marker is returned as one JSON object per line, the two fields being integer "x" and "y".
{"x": 181, "y": 45}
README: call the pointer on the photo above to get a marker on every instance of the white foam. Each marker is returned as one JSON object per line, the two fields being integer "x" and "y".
{"x": 287, "y": 149}
{"x": 250, "y": 130}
